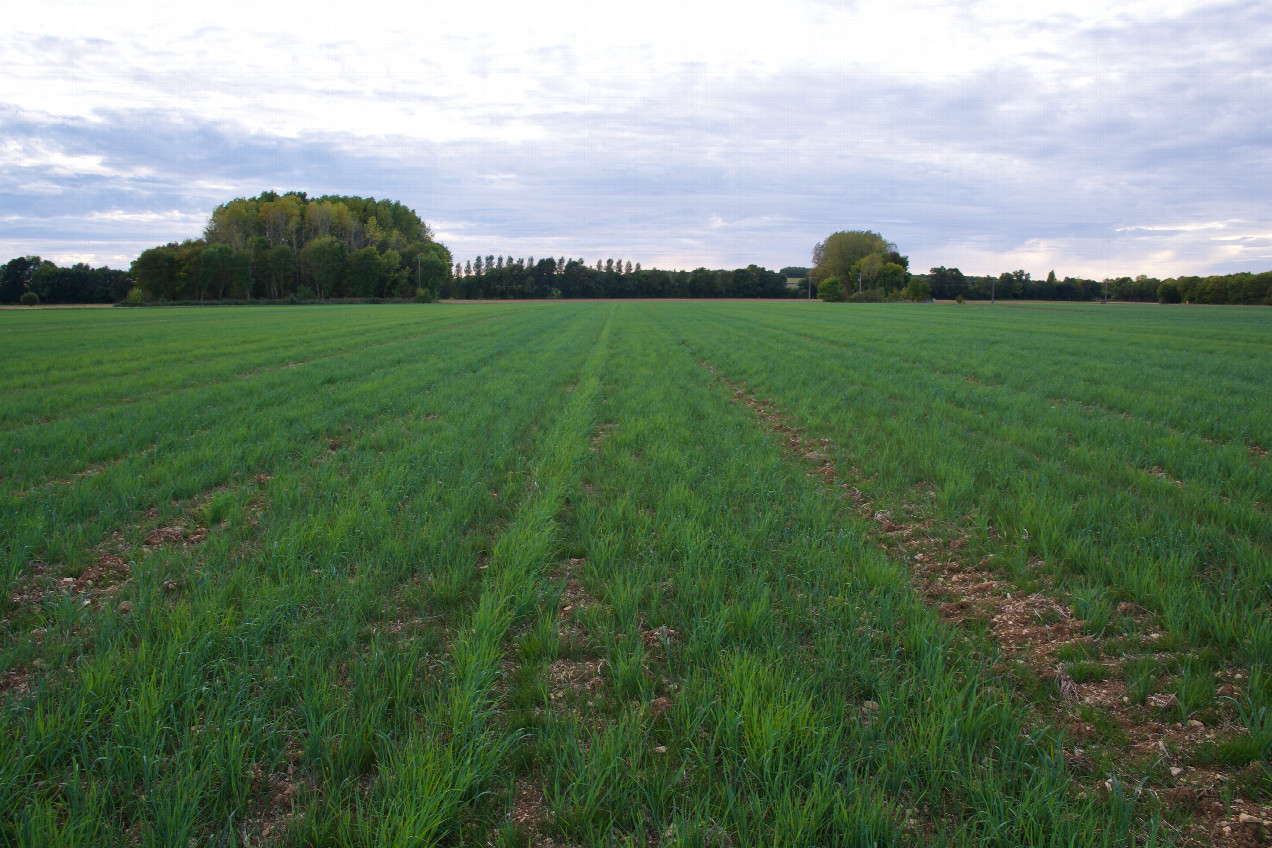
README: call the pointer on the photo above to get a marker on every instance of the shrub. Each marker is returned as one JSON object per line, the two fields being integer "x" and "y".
{"x": 29, "y": 298}
{"x": 868, "y": 296}
{"x": 960, "y": 299}
{"x": 830, "y": 290}
{"x": 135, "y": 297}
{"x": 425, "y": 296}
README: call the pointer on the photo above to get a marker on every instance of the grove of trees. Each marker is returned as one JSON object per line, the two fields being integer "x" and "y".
{"x": 290, "y": 246}
{"x": 867, "y": 266}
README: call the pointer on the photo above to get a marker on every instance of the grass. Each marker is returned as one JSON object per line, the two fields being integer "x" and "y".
{"x": 497, "y": 574}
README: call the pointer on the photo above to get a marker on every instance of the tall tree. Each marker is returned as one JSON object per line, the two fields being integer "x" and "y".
{"x": 433, "y": 274}
{"x": 155, "y": 272}
{"x": 282, "y": 270}
{"x": 323, "y": 263}
{"x": 365, "y": 274}
{"x": 840, "y": 251}
{"x": 947, "y": 283}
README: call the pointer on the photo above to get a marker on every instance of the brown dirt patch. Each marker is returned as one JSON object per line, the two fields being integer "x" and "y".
{"x": 527, "y": 806}
{"x": 275, "y": 809}
{"x": 15, "y": 680}
{"x": 579, "y": 676}
{"x": 98, "y": 580}
{"x": 176, "y": 534}
{"x": 598, "y": 437}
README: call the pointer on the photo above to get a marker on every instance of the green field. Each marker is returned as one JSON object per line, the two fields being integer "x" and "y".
{"x": 724, "y": 574}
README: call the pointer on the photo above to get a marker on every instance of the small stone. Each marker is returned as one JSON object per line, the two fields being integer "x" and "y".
{"x": 661, "y": 749}
{"x": 1192, "y": 722}
{"x": 1246, "y": 818}
{"x": 125, "y": 607}
{"x": 1176, "y": 771}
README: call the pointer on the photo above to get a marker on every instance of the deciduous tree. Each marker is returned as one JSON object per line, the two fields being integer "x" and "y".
{"x": 840, "y": 251}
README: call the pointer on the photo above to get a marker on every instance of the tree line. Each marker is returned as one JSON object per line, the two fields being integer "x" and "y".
{"x": 31, "y": 279}
{"x": 292, "y": 247}
{"x": 1239, "y": 288}
{"x": 498, "y": 277}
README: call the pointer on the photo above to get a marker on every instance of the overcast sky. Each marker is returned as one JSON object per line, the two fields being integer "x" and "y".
{"x": 1092, "y": 137}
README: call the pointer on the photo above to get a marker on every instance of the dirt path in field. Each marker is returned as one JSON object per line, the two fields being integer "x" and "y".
{"x": 1074, "y": 678}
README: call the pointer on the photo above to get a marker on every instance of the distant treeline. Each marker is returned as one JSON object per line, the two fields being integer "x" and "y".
{"x": 187, "y": 272}
{"x": 290, "y": 247}
{"x": 45, "y": 282}
{"x": 509, "y": 278}
{"x": 1241, "y": 288}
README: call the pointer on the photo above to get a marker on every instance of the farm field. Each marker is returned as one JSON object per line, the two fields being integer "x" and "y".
{"x": 723, "y": 574}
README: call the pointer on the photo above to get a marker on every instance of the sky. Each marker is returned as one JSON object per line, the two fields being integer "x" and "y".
{"x": 1091, "y": 137}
